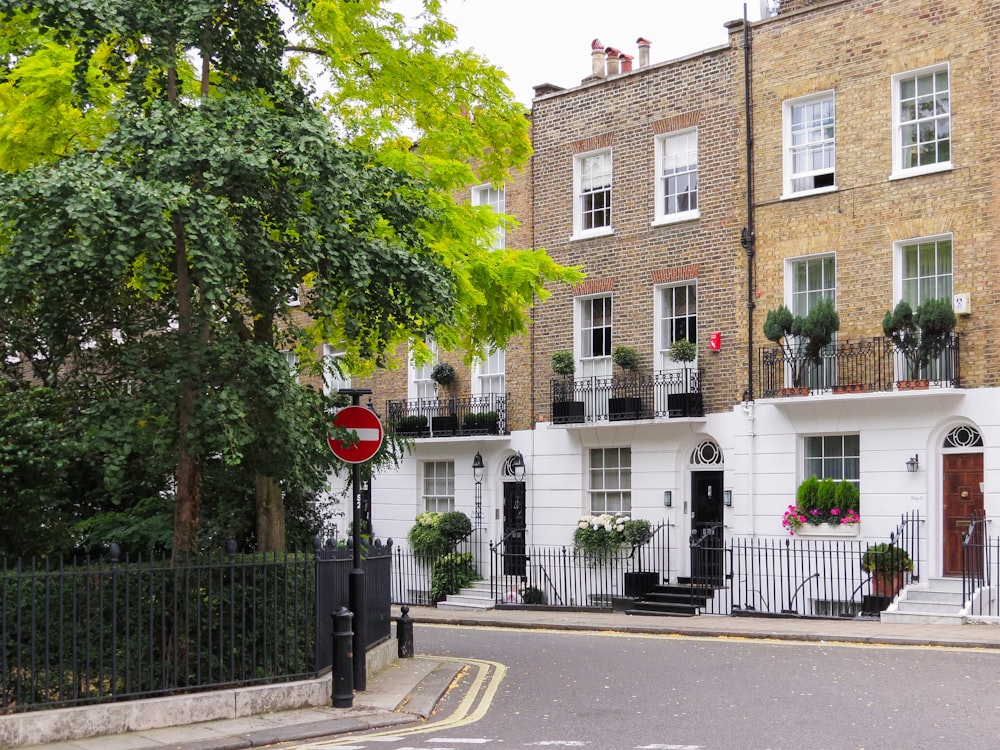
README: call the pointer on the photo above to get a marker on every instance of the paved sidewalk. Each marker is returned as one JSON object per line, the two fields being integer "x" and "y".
{"x": 406, "y": 691}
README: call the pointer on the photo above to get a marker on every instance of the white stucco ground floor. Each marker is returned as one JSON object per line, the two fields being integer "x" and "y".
{"x": 931, "y": 457}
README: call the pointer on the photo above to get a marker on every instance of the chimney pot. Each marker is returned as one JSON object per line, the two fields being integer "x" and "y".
{"x": 597, "y": 59}
{"x": 612, "y": 60}
{"x": 626, "y": 61}
{"x": 643, "y": 52}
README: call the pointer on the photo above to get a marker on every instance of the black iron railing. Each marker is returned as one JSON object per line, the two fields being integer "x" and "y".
{"x": 566, "y": 577}
{"x": 821, "y": 578}
{"x": 979, "y": 557}
{"x": 448, "y": 417}
{"x": 122, "y": 629}
{"x": 664, "y": 393}
{"x": 874, "y": 364}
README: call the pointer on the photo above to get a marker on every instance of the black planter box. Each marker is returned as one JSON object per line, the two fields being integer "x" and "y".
{"x": 685, "y": 405}
{"x": 444, "y": 425}
{"x": 624, "y": 408}
{"x": 567, "y": 412}
{"x": 640, "y": 584}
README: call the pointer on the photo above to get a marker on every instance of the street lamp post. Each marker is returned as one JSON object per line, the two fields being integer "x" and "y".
{"x": 478, "y": 468}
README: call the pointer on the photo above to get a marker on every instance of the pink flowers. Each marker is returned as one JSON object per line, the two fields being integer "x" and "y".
{"x": 795, "y": 518}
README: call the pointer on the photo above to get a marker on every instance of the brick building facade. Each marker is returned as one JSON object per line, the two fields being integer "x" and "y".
{"x": 874, "y": 180}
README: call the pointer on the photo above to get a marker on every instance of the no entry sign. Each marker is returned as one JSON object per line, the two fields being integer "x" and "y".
{"x": 366, "y": 424}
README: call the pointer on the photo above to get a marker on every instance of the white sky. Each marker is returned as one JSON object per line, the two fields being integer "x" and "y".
{"x": 548, "y": 41}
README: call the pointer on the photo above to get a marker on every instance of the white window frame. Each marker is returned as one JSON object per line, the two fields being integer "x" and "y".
{"x": 419, "y": 384}
{"x": 333, "y": 379}
{"x": 292, "y": 360}
{"x": 687, "y": 141}
{"x": 579, "y": 178}
{"x": 899, "y": 280}
{"x": 491, "y": 374}
{"x": 833, "y": 466}
{"x": 496, "y": 199}
{"x": 610, "y": 478}
{"x": 793, "y": 301}
{"x": 899, "y": 168}
{"x": 588, "y": 364}
{"x": 437, "y": 486}
{"x": 664, "y": 323}
{"x": 822, "y": 144}
{"x": 792, "y": 296}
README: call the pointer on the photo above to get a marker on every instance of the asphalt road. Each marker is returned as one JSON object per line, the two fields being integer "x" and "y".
{"x": 624, "y": 692}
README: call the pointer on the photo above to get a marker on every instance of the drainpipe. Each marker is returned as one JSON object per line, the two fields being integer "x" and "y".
{"x": 748, "y": 239}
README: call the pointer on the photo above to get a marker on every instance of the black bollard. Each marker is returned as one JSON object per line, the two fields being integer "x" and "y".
{"x": 404, "y": 633}
{"x": 342, "y": 688}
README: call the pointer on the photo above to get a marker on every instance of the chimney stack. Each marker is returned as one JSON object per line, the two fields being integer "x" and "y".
{"x": 597, "y": 58}
{"x": 643, "y": 52}
{"x": 612, "y": 60}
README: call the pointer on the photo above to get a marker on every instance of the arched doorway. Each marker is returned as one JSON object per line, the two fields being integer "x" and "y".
{"x": 962, "y": 491}
{"x": 515, "y": 520}
{"x": 707, "y": 539}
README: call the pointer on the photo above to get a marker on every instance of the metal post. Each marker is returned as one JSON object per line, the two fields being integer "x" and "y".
{"x": 342, "y": 689}
{"x": 404, "y": 634}
{"x": 356, "y": 583}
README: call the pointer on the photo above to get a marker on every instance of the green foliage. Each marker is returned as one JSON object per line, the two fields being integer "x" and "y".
{"x": 920, "y": 336}
{"x": 826, "y": 495}
{"x": 807, "y": 493}
{"x": 443, "y": 374}
{"x": 454, "y": 526}
{"x": 819, "y": 501}
{"x": 160, "y": 217}
{"x": 683, "y": 350}
{"x": 802, "y": 340}
{"x": 601, "y": 535}
{"x": 533, "y": 595}
{"x": 936, "y": 320}
{"x": 451, "y": 573}
{"x": 847, "y": 497}
{"x": 886, "y": 560}
{"x": 626, "y": 358}
{"x": 563, "y": 363}
{"x": 435, "y": 534}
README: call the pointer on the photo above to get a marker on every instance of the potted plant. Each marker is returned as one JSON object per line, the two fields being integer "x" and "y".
{"x": 636, "y": 532}
{"x": 443, "y": 374}
{"x": 565, "y": 409}
{"x": 625, "y": 407}
{"x": 412, "y": 425}
{"x": 919, "y": 337}
{"x": 687, "y": 403}
{"x": 802, "y": 340}
{"x": 887, "y": 565}
{"x": 823, "y": 505}
{"x": 481, "y": 423}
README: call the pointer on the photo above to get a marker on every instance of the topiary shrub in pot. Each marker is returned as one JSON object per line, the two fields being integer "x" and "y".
{"x": 565, "y": 408}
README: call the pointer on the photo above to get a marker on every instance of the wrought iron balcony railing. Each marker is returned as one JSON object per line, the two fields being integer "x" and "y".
{"x": 875, "y": 364}
{"x": 664, "y": 393}
{"x": 448, "y": 417}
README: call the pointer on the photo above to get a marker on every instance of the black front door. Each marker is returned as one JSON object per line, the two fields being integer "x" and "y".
{"x": 514, "y": 524}
{"x": 706, "y": 528}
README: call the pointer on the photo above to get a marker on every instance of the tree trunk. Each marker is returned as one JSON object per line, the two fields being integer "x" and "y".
{"x": 270, "y": 515}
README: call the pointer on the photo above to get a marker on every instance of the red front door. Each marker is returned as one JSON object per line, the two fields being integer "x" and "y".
{"x": 963, "y": 473}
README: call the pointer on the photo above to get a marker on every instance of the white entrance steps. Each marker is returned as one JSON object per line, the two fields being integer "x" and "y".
{"x": 936, "y": 601}
{"x": 476, "y": 597}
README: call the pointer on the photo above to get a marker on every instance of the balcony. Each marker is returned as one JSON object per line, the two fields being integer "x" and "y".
{"x": 664, "y": 393}
{"x": 448, "y": 417}
{"x": 861, "y": 366}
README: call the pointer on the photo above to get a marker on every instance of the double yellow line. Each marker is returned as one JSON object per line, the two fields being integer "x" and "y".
{"x": 472, "y": 708}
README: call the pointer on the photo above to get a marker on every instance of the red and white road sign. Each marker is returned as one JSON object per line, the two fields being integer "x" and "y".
{"x": 366, "y": 424}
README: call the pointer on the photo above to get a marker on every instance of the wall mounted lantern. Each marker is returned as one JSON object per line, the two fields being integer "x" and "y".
{"x": 912, "y": 464}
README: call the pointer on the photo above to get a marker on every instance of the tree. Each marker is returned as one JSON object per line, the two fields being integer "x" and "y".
{"x": 163, "y": 250}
